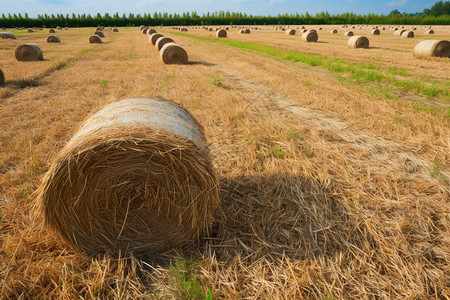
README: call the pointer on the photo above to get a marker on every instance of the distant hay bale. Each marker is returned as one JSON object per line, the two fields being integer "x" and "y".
{"x": 334, "y": 31}
{"x": 95, "y": 39}
{"x": 303, "y": 30}
{"x": 432, "y": 48}
{"x": 358, "y": 42}
{"x": 290, "y": 32}
{"x": 221, "y": 33}
{"x": 3, "y": 29}
{"x": 28, "y": 52}
{"x": 431, "y": 31}
{"x": 53, "y": 39}
{"x": 29, "y": 30}
{"x": 242, "y": 31}
{"x": 59, "y": 27}
{"x": 247, "y": 31}
{"x": 348, "y": 33}
{"x": 310, "y": 36}
{"x": 184, "y": 29}
{"x": 150, "y": 182}
{"x": 154, "y": 37}
{"x": 100, "y": 34}
{"x": 172, "y": 53}
{"x": 2, "y": 78}
{"x": 376, "y": 31}
{"x": 399, "y": 32}
{"x": 51, "y": 30}
{"x": 210, "y": 29}
{"x": 408, "y": 34}
{"x": 99, "y": 29}
{"x": 227, "y": 28}
{"x": 7, "y": 35}
{"x": 151, "y": 31}
{"x": 115, "y": 30}
{"x": 162, "y": 41}
{"x": 283, "y": 29}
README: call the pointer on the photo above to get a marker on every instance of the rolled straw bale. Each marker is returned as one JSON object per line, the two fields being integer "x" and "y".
{"x": 2, "y": 78}
{"x": 141, "y": 27}
{"x": 290, "y": 32}
{"x": 334, "y": 31}
{"x": 210, "y": 29}
{"x": 28, "y": 52}
{"x": 431, "y": 31}
{"x": 184, "y": 29}
{"x": 172, "y": 53}
{"x": 221, "y": 33}
{"x": 99, "y": 29}
{"x": 358, "y": 42}
{"x": 7, "y": 35}
{"x": 310, "y": 36}
{"x": 51, "y": 30}
{"x": 408, "y": 34}
{"x": 227, "y": 28}
{"x": 95, "y": 39}
{"x": 436, "y": 48}
{"x": 53, "y": 39}
{"x": 115, "y": 30}
{"x": 303, "y": 30}
{"x": 399, "y": 32}
{"x": 242, "y": 31}
{"x": 376, "y": 31}
{"x": 151, "y": 31}
{"x": 29, "y": 30}
{"x": 154, "y": 37}
{"x": 247, "y": 31}
{"x": 162, "y": 41}
{"x": 100, "y": 34}
{"x": 348, "y": 33}
{"x": 3, "y": 29}
{"x": 136, "y": 177}
{"x": 59, "y": 27}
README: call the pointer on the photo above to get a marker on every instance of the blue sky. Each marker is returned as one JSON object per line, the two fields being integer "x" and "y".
{"x": 254, "y": 7}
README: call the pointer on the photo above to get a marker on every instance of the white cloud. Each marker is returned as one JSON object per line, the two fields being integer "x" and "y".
{"x": 396, "y": 3}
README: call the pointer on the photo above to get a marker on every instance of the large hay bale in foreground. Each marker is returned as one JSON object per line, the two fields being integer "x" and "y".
{"x": 154, "y": 37}
{"x": 310, "y": 36}
{"x": 290, "y": 32}
{"x": 95, "y": 39}
{"x": 2, "y": 78}
{"x": 136, "y": 177}
{"x": 172, "y": 53}
{"x": 408, "y": 34}
{"x": 28, "y": 52}
{"x": 221, "y": 33}
{"x": 430, "y": 48}
{"x": 7, "y": 35}
{"x": 162, "y": 41}
{"x": 348, "y": 33}
{"x": 358, "y": 42}
{"x": 53, "y": 39}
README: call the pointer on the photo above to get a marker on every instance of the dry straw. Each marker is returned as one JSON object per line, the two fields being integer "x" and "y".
{"x": 310, "y": 36}
{"x": 53, "y": 39}
{"x": 291, "y": 32}
{"x": 154, "y": 37}
{"x": 162, "y": 41}
{"x": 135, "y": 178}
{"x": 2, "y": 78}
{"x": 358, "y": 42}
{"x": 28, "y": 52}
{"x": 172, "y": 53}
{"x": 7, "y": 35}
{"x": 95, "y": 39}
{"x": 221, "y": 33}
{"x": 408, "y": 34}
{"x": 348, "y": 33}
{"x": 430, "y": 48}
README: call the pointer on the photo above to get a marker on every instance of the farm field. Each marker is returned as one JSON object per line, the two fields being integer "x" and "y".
{"x": 333, "y": 164}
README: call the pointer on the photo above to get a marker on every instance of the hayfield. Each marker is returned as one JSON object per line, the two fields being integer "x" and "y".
{"x": 333, "y": 164}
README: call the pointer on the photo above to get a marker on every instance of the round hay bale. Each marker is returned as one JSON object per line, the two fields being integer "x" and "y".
{"x": 3, "y": 29}
{"x": 303, "y": 30}
{"x": 348, "y": 33}
{"x": 99, "y": 29}
{"x": 100, "y": 34}
{"x": 151, "y": 31}
{"x": 154, "y": 37}
{"x": 221, "y": 33}
{"x": 51, "y": 30}
{"x": 59, "y": 27}
{"x": 29, "y": 30}
{"x": 358, "y": 42}
{"x": 399, "y": 32}
{"x": 7, "y": 35}
{"x": 247, "y": 31}
{"x": 431, "y": 31}
{"x": 310, "y": 36}
{"x": 53, "y": 39}
{"x": 162, "y": 41}
{"x": 376, "y": 31}
{"x": 432, "y": 48}
{"x": 210, "y": 29}
{"x": 227, "y": 28}
{"x": 95, "y": 39}
{"x": 135, "y": 178}
{"x": 242, "y": 31}
{"x": 184, "y": 29}
{"x": 28, "y": 52}
{"x": 172, "y": 53}
{"x": 334, "y": 31}
{"x": 115, "y": 30}
{"x": 408, "y": 34}
{"x": 2, "y": 78}
{"x": 290, "y": 32}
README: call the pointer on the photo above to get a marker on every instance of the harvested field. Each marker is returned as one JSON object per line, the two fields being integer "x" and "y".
{"x": 333, "y": 164}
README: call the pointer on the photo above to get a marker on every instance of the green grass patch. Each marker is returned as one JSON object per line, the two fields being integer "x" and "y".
{"x": 104, "y": 82}
{"x": 84, "y": 51}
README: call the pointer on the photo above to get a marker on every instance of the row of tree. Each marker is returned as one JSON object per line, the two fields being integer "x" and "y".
{"x": 439, "y": 14}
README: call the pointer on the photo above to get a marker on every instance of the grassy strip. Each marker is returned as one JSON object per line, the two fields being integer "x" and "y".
{"x": 356, "y": 73}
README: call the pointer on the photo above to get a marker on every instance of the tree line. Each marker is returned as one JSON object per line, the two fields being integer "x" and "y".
{"x": 439, "y": 14}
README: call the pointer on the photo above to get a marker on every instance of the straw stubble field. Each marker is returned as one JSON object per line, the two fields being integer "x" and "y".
{"x": 332, "y": 164}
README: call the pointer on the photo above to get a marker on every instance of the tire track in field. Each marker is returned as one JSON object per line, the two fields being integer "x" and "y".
{"x": 380, "y": 148}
